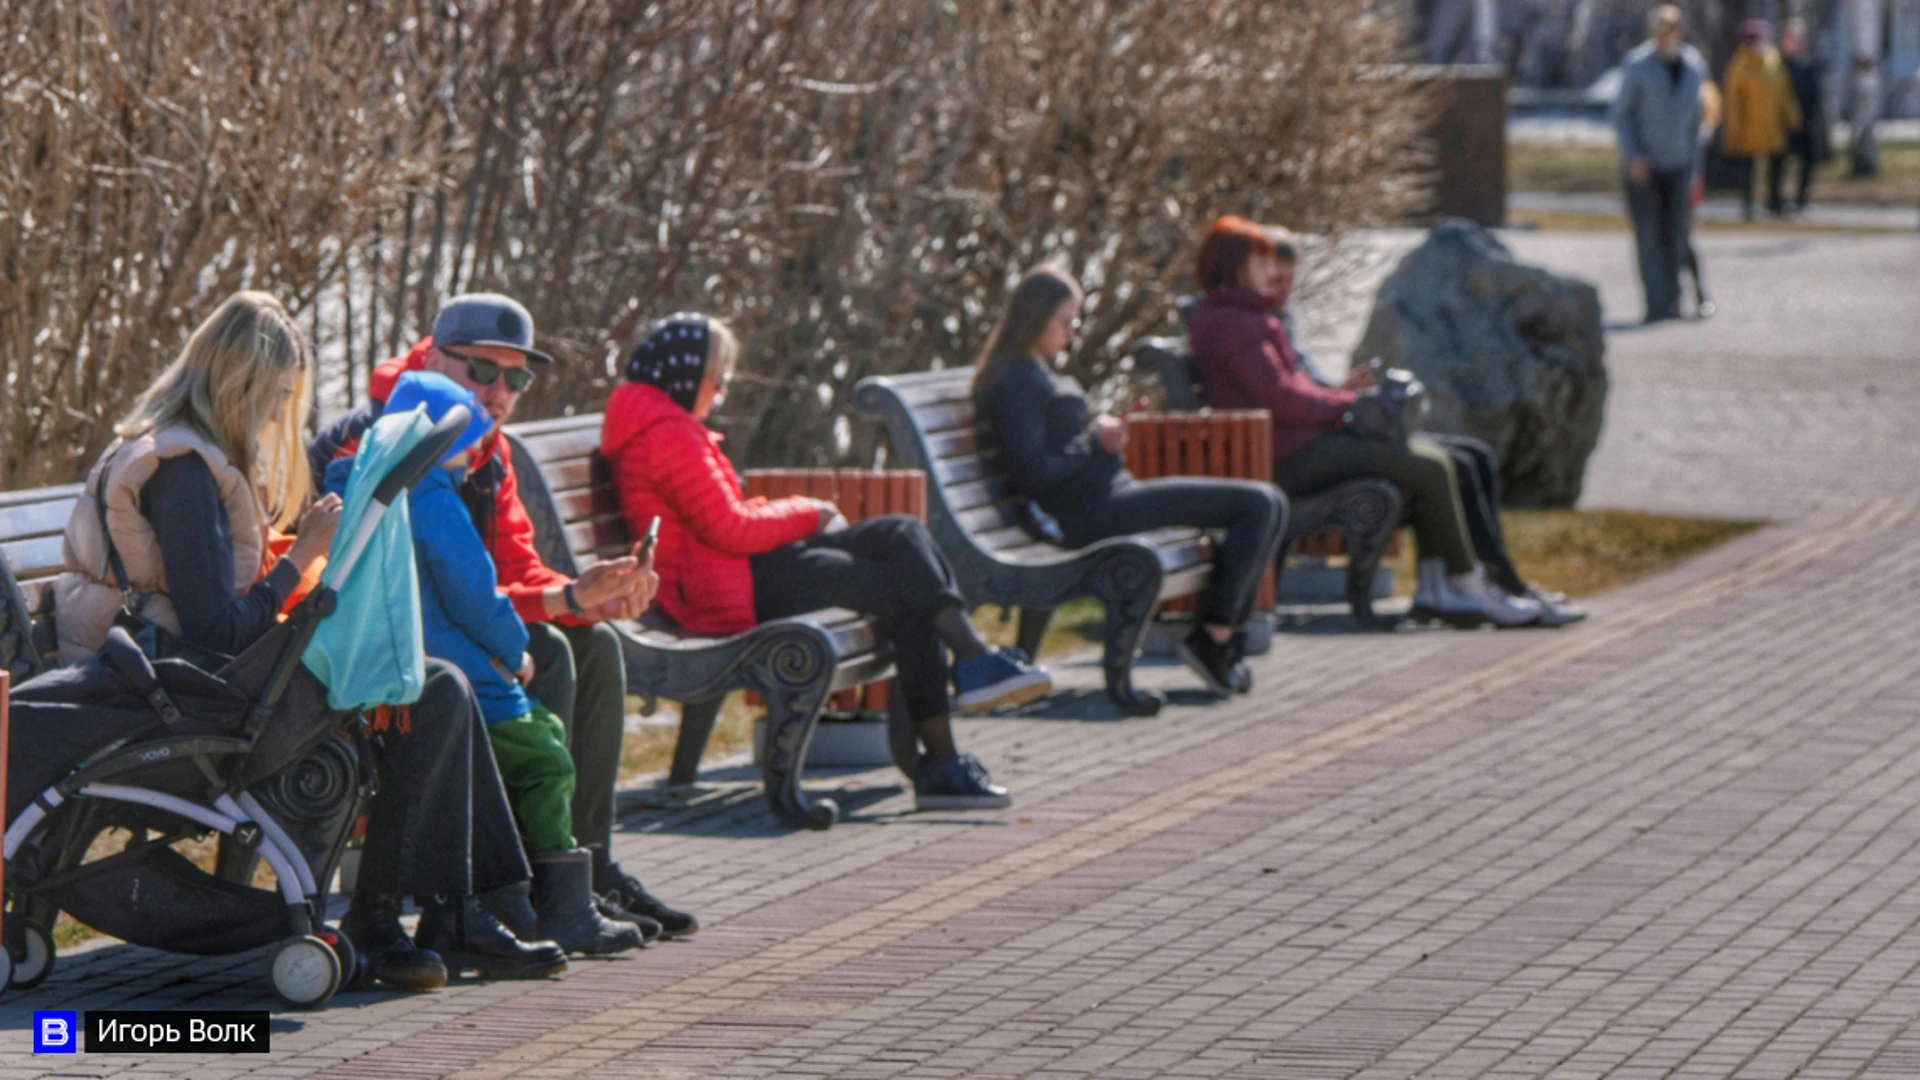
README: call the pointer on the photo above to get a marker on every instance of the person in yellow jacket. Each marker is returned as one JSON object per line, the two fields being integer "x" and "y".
{"x": 1761, "y": 109}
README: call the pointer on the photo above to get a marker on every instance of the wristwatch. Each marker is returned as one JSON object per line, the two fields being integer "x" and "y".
{"x": 573, "y": 602}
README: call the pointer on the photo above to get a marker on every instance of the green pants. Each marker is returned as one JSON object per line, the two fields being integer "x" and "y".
{"x": 531, "y": 751}
{"x": 581, "y": 674}
{"x": 1422, "y": 470}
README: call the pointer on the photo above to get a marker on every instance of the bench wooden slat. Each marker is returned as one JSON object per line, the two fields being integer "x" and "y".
{"x": 598, "y": 537}
{"x": 980, "y": 493}
{"x": 587, "y": 504}
{"x": 577, "y": 441}
{"x": 44, "y": 517}
{"x": 1003, "y": 539}
{"x": 63, "y": 493}
{"x": 32, "y": 560}
{"x": 961, "y": 469}
{"x": 938, "y": 392}
{"x": 565, "y": 476}
{"x": 987, "y": 518}
{"x": 947, "y": 416}
{"x": 951, "y": 444}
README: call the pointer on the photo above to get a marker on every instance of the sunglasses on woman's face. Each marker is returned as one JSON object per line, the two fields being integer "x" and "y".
{"x": 483, "y": 372}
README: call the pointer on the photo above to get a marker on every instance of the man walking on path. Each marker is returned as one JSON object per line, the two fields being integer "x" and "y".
{"x": 1656, "y": 118}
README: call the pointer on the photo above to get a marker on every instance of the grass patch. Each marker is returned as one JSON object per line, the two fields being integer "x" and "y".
{"x": 1583, "y": 552}
{"x": 1573, "y": 170}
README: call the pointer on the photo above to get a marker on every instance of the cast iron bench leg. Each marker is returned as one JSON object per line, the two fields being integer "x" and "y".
{"x": 1033, "y": 629}
{"x": 792, "y": 673}
{"x": 1128, "y": 585}
{"x": 696, "y": 726}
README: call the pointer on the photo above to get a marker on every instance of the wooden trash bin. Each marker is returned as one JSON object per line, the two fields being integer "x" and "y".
{"x": 860, "y": 494}
{"x": 1234, "y": 444}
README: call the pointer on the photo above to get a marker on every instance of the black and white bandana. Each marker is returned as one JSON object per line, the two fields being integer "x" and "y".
{"x": 673, "y": 357}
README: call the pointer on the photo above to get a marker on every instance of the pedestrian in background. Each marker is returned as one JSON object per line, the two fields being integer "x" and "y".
{"x": 1761, "y": 112}
{"x": 1656, "y": 118}
{"x": 1807, "y": 74}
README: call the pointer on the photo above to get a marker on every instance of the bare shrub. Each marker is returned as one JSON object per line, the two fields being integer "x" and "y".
{"x": 853, "y": 183}
{"x": 154, "y": 158}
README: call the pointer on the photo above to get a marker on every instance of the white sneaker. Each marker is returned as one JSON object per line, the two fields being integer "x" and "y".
{"x": 1469, "y": 599}
{"x": 1554, "y": 608}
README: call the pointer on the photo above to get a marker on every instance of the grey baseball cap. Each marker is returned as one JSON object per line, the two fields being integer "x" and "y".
{"x": 487, "y": 319}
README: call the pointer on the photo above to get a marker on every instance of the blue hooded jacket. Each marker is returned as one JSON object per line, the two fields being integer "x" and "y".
{"x": 464, "y": 618}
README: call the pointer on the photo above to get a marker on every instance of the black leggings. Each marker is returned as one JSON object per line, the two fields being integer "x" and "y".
{"x": 1253, "y": 514}
{"x": 1478, "y": 472}
{"x": 887, "y": 568}
{"x": 440, "y": 824}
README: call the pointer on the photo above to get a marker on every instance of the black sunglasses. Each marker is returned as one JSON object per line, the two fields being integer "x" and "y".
{"x": 483, "y": 371}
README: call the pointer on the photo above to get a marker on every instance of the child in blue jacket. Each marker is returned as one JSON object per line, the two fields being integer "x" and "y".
{"x": 469, "y": 623}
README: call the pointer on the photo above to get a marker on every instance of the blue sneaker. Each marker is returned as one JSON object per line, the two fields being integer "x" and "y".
{"x": 960, "y": 784}
{"x": 997, "y": 677}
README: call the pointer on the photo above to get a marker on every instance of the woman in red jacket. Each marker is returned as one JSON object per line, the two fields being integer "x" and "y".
{"x": 1244, "y": 359}
{"x": 727, "y": 562}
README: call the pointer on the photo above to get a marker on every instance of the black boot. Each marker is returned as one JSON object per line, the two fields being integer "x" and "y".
{"x": 513, "y": 906}
{"x": 622, "y": 890}
{"x": 373, "y": 925}
{"x": 649, "y": 929}
{"x": 563, "y": 899}
{"x": 469, "y": 939}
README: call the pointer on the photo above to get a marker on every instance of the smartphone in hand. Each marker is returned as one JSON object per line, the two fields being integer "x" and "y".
{"x": 644, "y": 546}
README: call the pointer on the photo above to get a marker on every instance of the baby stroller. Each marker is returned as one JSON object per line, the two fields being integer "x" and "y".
{"x": 172, "y": 750}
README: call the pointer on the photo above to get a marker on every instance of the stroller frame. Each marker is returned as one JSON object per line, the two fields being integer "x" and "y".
{"x": 314, "y": 962}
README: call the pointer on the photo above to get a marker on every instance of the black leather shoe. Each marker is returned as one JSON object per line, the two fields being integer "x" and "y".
{"x": 513, "y": 906}
{"x": 649, "y": 929}
{"x": 621, "y": 889}
{"x": 469, "y": 939}
{"x": 373, "y": 925}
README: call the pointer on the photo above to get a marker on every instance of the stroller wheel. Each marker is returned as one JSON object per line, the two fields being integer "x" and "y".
{"x": 305, "y": 972}
{"x": 353, "y": 966}
{"x": 30, "y": 954}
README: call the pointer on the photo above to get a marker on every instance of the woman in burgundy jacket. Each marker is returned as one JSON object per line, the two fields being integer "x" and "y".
{"x": 1244, "y": 359}
{"x": 727, "y": 562}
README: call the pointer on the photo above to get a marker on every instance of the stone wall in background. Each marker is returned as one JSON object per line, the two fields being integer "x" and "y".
{"x": 1512, "y": 354}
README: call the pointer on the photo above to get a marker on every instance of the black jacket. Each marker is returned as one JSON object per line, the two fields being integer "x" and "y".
{"x": 1039, "y": 422}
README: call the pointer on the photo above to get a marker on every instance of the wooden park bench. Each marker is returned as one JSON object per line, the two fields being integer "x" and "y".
{"x": 794, "y": 664}
{"x": 1359, "y": 516}
{"x": 988, "y": 531}
{"x": 32, "y": 525}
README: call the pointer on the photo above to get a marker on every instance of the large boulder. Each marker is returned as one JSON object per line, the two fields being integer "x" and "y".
{"x": 1511, "y": 354}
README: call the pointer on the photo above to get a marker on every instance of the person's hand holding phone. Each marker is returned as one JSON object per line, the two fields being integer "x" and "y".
{"x": 831, "y": 519}
{"x": 1111, "y": 431}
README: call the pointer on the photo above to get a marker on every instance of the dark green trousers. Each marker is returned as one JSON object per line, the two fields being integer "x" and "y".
{"x": 1421, "y": 469}
{"x": 580, "y": 674}
{"x": 531, "y": 752}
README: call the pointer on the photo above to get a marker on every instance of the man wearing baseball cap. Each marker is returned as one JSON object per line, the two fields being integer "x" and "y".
{"x": 485, "y": 342}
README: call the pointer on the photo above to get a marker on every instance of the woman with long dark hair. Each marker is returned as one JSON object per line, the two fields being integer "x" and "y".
{"x": 1061, "y": 455}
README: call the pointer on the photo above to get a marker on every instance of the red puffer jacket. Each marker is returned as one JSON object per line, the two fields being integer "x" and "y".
{"x": 667, "y": 463}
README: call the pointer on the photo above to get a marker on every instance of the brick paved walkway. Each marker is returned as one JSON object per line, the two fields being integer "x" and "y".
{"x": 1682, "y": 839}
